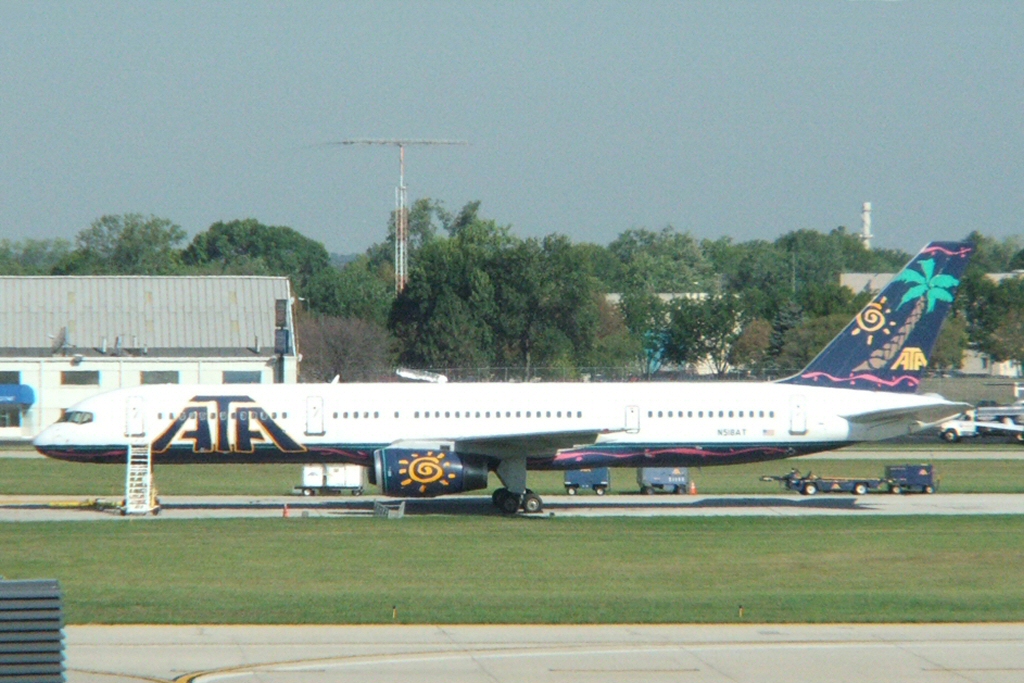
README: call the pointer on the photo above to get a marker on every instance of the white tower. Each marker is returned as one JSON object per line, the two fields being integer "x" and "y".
{"x": 865, "y": 221}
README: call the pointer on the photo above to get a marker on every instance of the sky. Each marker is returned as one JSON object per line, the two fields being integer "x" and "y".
{"x": 738, "y": 119}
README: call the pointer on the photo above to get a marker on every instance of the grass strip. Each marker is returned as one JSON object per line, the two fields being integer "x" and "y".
{"x": 529, "y": 570}
{"x": 55, "y": 477}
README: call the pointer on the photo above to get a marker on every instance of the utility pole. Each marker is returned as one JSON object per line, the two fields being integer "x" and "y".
{"x": 401, "y": 200}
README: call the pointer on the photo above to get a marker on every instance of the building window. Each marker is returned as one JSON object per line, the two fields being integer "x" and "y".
{"x": 159, "y": 377}
{"x": 10, "y": 416}
{"x": 80, "y": 377}
{"x": 243, "y": 376}
{"x": 10, "y": 377}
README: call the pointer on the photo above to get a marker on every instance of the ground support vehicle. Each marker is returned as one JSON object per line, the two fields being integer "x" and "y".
{"x": 1008, "y": 414}
{"x": 598, "y": 478}
{"x": 971, "y": 425}
{"x": 332, "y": 479}
{"x": 667, "y": 479}
{"x": 811, "y": 483}
{"x": 919, "y": 478}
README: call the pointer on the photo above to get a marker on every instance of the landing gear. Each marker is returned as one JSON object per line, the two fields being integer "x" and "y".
{"x": 512, "y": 472}
{"x": 511, "y": 503}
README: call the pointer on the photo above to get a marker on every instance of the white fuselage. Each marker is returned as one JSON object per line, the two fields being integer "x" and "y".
{"x": 679, "y": 423}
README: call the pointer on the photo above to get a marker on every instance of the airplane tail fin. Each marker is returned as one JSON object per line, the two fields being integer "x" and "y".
{"x": 888, "y": 344}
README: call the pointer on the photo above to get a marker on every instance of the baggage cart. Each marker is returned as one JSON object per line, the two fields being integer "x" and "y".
{"x": 911, "y": 478}
{"x": 665, "y": 479}
{"x": 811, "y": 483}
{"x": 332, "y": 479}
{"x": 598, "y": 479}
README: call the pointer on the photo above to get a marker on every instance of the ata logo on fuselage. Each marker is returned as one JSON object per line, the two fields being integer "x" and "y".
{"x": 911, "y": 359}
{"x": 225, "y": 424}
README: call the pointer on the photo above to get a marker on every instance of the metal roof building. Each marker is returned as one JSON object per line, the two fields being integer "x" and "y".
{"x": 64, "y": 338}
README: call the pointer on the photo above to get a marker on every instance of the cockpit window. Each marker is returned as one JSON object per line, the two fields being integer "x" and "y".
{"x": 78, "y": 417}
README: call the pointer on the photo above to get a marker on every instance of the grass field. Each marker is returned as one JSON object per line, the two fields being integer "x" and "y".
{"x": 529, "y": 570}
{"x": 53, "y": 477}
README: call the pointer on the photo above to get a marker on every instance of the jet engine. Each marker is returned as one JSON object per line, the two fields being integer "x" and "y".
{"x": 426, "y": 472}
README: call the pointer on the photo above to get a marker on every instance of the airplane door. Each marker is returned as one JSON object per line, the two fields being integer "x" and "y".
{"x": 797, "y": 415}
{"x": 632, "y": 419}
{"x": 314, "y": 415}
{"x": 135, "y": 417}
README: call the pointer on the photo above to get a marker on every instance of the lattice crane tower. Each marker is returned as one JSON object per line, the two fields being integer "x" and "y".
{"x": 401, "y": 207}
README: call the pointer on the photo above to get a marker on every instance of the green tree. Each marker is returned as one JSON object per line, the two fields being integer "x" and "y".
{"x": 992, "y": 255}
{"x": 250, "y": 246}
{"x": 32, "y": 257}
{"x": 521, "y": 303}
{"x": 704, "y": 330}
{"x": 948, "y": 353}
{"x": 751, "y": 348}
{"x": 353, "y": 291}
{"x": 998, "y": 319}
{"x": 1017, "y": 262}
{"x": 665, "y": 261}
{"x": 804, "y": 342}
{"x": 131, "y": 244}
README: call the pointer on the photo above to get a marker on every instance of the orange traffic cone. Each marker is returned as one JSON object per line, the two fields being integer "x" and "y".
{"x": 693, "y": 488}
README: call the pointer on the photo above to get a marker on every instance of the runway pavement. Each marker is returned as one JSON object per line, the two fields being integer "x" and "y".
{"x": 65, "y": 508}
{"x": 762, "y": 653}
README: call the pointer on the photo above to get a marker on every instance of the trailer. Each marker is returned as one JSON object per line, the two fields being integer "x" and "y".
{"x": 810, "y": 484}
{"x": 666, "y": 479}
{"x": 320, "y": 479}
{"x": 910, "y": 478}
{"x": 597, "y": 478}
{"x": 1008, "y": 414}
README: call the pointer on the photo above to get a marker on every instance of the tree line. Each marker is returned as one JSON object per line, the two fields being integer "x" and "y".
{"x": 483, "y": 302}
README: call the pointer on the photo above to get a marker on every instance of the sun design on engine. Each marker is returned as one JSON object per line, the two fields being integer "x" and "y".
{"x": 872, "y": 319}
{"x": 426, "y": 470}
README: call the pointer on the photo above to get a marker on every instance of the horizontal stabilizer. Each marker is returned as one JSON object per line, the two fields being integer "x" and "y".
{"x": 924, "y": 414}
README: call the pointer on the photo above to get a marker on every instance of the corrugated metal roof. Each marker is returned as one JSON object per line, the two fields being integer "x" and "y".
{"x": 215, "y": 312}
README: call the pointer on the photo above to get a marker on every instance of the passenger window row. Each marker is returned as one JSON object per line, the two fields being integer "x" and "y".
{"x": 710, "y": 413}
{"x": 205, "y": 414}
{"x": 466, "y": 414}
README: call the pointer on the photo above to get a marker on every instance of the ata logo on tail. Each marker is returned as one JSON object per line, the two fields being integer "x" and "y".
{"x": 912, "y": 359}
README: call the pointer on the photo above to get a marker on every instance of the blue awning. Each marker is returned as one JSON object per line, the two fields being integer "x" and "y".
{"x": 17, "y": 394}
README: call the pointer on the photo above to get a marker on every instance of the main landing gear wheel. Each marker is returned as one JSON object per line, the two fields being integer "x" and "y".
{"x": 532, "y": 503}
{"x": 809, "y": 489}
{"x": 860, "y": 489}
{"x": 497, "y": 496}
{"x": 509, "y": 503}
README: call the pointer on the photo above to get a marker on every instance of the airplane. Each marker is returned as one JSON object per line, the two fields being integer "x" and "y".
{"x": 429, "y": 439}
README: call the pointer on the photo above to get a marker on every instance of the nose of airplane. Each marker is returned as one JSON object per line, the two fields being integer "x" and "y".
{"x": 50, "y": 438}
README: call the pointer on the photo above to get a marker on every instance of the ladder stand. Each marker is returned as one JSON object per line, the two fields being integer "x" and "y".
{"x": 139, "y": 492}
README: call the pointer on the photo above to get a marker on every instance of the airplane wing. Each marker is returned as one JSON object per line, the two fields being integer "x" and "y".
{"x": 512, "y": 445}
{"x": 923, "y": 414}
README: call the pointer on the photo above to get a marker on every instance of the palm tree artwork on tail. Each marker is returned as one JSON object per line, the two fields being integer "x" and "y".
{"x": 926, "y": 289}
{"x": 887, "y": 345}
